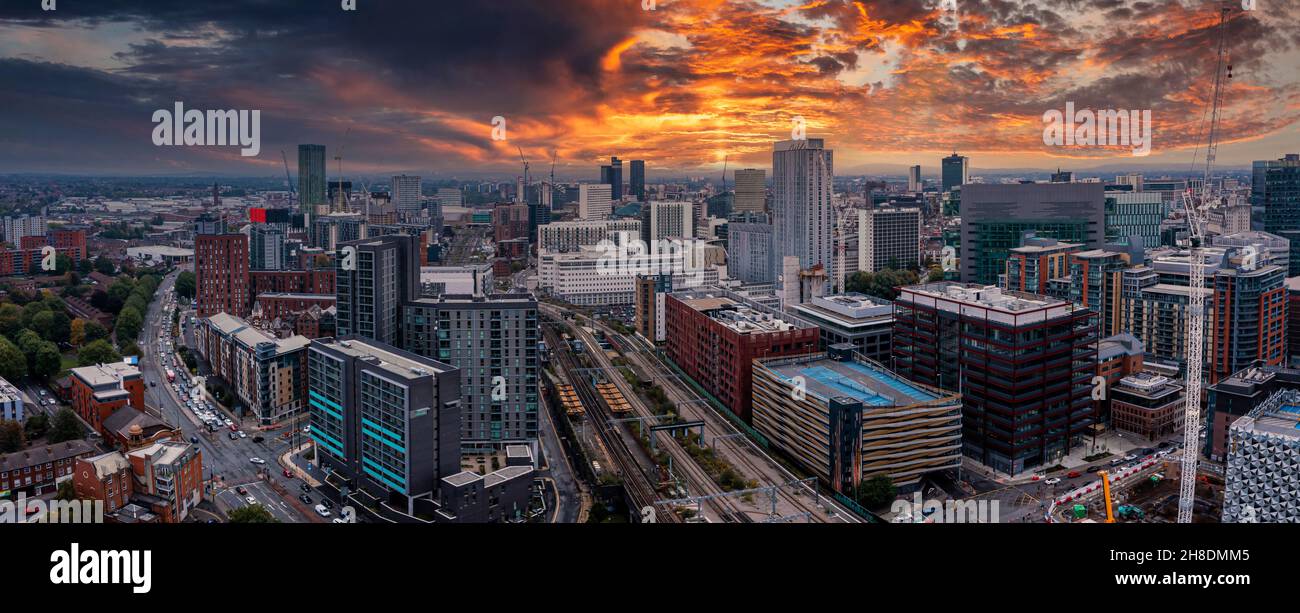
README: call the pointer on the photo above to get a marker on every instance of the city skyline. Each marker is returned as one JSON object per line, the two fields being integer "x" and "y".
{"x": 602, "y": 79}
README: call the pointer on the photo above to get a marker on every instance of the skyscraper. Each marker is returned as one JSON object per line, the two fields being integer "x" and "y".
{"x": 373, "y": 279}
{"x": 751, "y": 191}
{"x": 266, "y": 248}
{"x": 406, "y": 193}
{"x": 803, "y": 214}
{"x": 615, "y": 178}
{"x": 311, "y": 180}
{"x": 914, "y": 179}
{"x": 1282, "y": 203}
{"x": 637, "y": 180}
{"x": 671, "y": 220}
{"x": 955, "y": 171}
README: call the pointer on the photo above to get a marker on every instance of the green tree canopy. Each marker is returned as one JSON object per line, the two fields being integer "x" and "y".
{"x": 12, "y": 436}
{"x": 48, "y": 361}
{"x": 252, "y": 514}
{"x": 97, "y": 352}
{"x": 876, "y": 492}
{"x": 66, "y": 427}
{"x": 13, "y": 363}
{"x": 186, "y": 285}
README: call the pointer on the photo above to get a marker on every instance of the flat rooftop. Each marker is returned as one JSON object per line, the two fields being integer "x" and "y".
{"x": 866, "y": 383}
{"x": 105, "y": 374}
{"x": 987, "y": 296}
{"x": 1283, "y": 421}
{"x": 407, "y": 365}
{"x": 735, "y": 312}
{"x": 847, "y": 309}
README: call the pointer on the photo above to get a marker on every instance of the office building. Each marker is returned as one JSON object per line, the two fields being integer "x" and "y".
{"x": 311, "y": 180}
{"x": 1022, "y": 362}
{"x": 1036, "y": 262}
{"x": 407, "y": 196}
{"x": 1262, "y": 477}
{"x": 1282, "y": 202}
{"x": 750, "y": 252}
{"x": 847, "y": 420}
{"x": 450, "y": 197}
{"x": 386, "y": 420}
{"x": 595, "y": 201}
{"x": 865, "y": 323}
{"x": 373, "y": 279}
{"x": 221, "y": 272}
{"x": 715, "y": 335}
{"x": 267, "y": 374}
{"x": 636, "y": 180}
{"x": 1148, "y": 405}
{"x": 492, "y": 342}
{"x": 889, "y": 237}
{"x": 1130, "y": 214}
{"x": 612, "y": 175}
{"x": 803, "y": 212}
{"x": 751, "y": 191}
{"x": 914, "y": 179}
{"x": 995, "y": 218}
{"x": 563, "y": 236}
{"x": 671, "y": 220}
{"x": 597, "y": 277}
{"x": 954, "y": 172}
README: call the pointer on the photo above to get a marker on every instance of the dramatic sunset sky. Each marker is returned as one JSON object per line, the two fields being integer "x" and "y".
{"x": 413, "y": 86}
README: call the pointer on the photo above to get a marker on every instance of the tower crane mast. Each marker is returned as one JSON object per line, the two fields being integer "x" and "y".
{"x": 1195, "y": 205}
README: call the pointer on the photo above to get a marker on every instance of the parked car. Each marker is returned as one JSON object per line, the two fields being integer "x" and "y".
{"x": 322, "y": 510}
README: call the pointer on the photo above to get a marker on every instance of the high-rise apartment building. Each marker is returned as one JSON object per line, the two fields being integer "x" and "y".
{"x": 266, "y": 248}
{"x": 914, "y": 179}
{"x": 803, "y": 174}
{"x": 1023, "y": 364}
{"x": 386, "y": 419}
{"x": 221, "y": 272}
{"x": 1248, "y": 315}
{"x": 750, "y": 252}
{"x": 888, "y": 237}
{"x": 671, "y": 220}
{"x": 406, "y": 193}
{"x": 311, "y": 179}
{"x": 564, "y": 236}
{"x": 595, "y": 201}
{"x": 995, "y": 218}
{"x": 1036, "y": 262}
{"x": 492, "y": 341}
{"x": 954, "y": 172}
{"x": 373, "y": 279}
{"x": 751, "y": 191}
{"x": 1096, "y": 281}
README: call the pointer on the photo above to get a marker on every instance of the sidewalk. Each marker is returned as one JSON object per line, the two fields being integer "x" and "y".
{"x": 286, "y": 461}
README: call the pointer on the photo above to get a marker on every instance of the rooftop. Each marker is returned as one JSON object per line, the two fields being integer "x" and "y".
{"x": 109, "y": 463}
{"x": 864, "y": 382}
{"x": 19, "y": 460}
{"x": 102, "y": 375}
{"x": 989, "y": 296}
{"x": 848, "y": 309}
{"x": 1149, "y": 385}
{"x": 401, "y": 363}
{"x": 1123, "y": 343}
{"x": 735, "y": 312}
{"x": 1279, "y": 416}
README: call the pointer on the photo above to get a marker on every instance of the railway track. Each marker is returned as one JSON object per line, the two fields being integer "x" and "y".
{"x": 639, "y": 487}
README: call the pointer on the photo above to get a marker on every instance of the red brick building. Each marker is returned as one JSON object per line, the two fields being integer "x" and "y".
{"x": 317, "y": 281}
{"x": 165, "y": 477}
{"x": 714, "y": 336}
{"x": 99, "y": 391}
{"x": 274, "y": 306}
{"x": 105, "y": 477}
{"x": 37, "y": 470}
{"x": 221, "y": 268}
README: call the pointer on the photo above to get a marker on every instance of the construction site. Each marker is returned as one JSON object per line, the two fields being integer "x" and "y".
{"x": 1146, "y": 493}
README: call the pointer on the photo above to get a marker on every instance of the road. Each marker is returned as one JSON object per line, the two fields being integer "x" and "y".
{"x": 226, "y": 462}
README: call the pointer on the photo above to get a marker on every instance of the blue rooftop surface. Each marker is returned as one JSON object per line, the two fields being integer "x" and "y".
{"x": 865, "y": 383}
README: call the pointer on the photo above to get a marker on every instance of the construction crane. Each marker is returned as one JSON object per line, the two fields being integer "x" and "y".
{"x": 288, "y": 181}
{"x": 1105, "y": 492}
{"x": 523, "y": 197}
{"x": 1195, "y": 206}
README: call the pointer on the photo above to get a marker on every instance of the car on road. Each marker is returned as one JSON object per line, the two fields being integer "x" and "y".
{"x": 233, "y": 427}
{"x": 257, "y": 460}
{"x": 305, "y": 499}
{"x": 1052, "y": 481}
{"x": 250, "y": 500}
{"x": 232, "y": 436}
{"x": 242, "y": 435}
{"x": 322, "y": 510}
{"x": 329, "y": 504}
{"x": 288, "y": 473}
{"x": 1093, "y": 469}
{"x": 194, "y": 439}
{"x": 1117, "y": 461}
{"x": 241, "y": 491}
{"x": 229, "y": 423}
{"x": 340, "y": 520}
{"x": 1163, "y": 444}
{"x": 1074, "y": 473}
{"x": 306, "y": 488}
{"x": 1130, "y": 457}
{"x": 153, "y": 384}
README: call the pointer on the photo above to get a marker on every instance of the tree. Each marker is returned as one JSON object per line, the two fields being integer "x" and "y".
{"x": 11, "y": 320}
{"x": 97, "y": 352}
{"x": 883, "y": 284}
{"x": 105, "y": 265}
{"x": 876, "y": 492}
{"x": 12, "y": 437}
{"x": 129, "y": 322}
{"x": 66, "y": 427}
{"x": 37, "y": 425}
{"x": 186, "y": 285}
{"x": 85, "y": 267}
{"x": 48, "y": 361}
{"x": 77, "y": 332}
{"x": 67, "y": 491}
{"x": 132, "y": 349}
{"x": 62, "y": 263}
{"x": 95, "y": 331}
{"x": 252, "y": 514}
{"x": 13, "y": 364}
{"x": 52, "y": 326}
